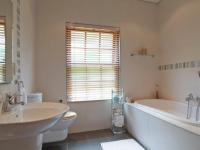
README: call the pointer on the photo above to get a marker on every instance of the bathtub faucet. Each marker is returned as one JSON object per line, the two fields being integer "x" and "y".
{"x": 198, "y": 106}
{"x": 189, "y": 108}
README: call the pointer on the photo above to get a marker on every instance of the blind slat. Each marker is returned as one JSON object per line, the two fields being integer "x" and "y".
{"x": 2, "y": 50}
{"x": 92, "y": 64}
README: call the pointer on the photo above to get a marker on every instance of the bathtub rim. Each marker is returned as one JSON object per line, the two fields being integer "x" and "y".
{"x": 190, "y": 126}
{"x": 179, "y": 118}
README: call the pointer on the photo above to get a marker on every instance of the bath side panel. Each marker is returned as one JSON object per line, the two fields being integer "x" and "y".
{"x": 137, "y": 125}
{"x": 157, "y": 134}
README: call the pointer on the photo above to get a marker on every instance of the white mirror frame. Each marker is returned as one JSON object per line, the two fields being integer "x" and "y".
{"x": 6, "y": 11}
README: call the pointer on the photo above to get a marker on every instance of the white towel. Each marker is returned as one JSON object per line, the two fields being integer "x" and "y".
{"x": 119, "y": 121}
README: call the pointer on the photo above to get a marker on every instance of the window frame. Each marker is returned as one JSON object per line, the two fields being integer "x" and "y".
{"x": 95, "y": 28}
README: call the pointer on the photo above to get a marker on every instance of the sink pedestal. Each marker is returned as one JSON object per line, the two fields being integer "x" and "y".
{"x": 21, "y": 129}
{"x": 24, "y": 143}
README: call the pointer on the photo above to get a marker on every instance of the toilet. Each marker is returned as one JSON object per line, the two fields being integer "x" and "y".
{"x": 59, "y": 131}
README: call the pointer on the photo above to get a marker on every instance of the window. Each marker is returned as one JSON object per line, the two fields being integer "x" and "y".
{"x": 93, "y": 62}
{"x": 2, "y": 50}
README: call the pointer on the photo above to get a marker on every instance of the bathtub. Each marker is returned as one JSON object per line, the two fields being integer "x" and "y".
{"x": 162, "y": 125}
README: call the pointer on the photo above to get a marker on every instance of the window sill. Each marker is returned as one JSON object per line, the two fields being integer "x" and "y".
{"x": 80, "y": 101}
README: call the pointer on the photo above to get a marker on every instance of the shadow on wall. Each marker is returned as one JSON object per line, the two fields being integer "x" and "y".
{"x": 174, "y": 9}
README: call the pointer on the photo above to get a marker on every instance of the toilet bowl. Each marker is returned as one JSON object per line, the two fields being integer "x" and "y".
{"x": 59, "y": 131}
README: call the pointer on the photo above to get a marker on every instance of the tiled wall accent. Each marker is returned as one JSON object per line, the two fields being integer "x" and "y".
{"x": 180, "y": 65}
{"x": 18, "y": 40}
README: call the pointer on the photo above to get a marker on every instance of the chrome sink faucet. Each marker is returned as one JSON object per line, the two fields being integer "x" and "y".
{"x": 189, "y": 99}
{"x": 10, "y": 102}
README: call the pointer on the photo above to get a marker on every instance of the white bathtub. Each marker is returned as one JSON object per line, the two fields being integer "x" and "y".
{"x": 162, "y": 125}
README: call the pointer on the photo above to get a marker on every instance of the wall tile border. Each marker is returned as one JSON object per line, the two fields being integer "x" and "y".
{"x": 180, "y": 65}
{"x": 18, "y": 40}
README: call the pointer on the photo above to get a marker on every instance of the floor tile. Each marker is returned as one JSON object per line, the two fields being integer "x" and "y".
{"x": 86, "y": 141}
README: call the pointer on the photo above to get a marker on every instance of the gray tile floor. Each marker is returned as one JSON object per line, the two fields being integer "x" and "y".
{"x": 86, "y": 141}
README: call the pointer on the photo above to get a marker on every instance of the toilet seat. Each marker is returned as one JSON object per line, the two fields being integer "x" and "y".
{"x": 65, "y": 122}
{"x": 69, "y": 115}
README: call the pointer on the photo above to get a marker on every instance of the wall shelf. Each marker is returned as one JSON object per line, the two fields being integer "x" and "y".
{"x": 136, "y": 54}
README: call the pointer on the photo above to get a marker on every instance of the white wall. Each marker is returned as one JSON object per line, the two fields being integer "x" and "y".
{"x": 179, "y": 42}
{"x": 28, "y": 43}
{"x": 137, "y": 21}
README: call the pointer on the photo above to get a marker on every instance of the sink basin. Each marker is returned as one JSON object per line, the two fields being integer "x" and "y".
{"x": 30, "y": 120}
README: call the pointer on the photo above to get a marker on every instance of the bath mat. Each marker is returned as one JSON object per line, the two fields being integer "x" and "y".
{"x": 128, "y": 144}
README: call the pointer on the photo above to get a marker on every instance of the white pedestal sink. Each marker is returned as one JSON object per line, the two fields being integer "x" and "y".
{"x": 22, "y": 129}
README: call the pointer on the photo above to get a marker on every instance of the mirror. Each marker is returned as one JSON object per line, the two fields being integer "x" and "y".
{"x": 5, "y": 41}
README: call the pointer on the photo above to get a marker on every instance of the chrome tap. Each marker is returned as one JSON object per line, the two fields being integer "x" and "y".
{"x": 189, "y": 107}
{"x": 197, "y": 110}
{"x": 10, "y": 102}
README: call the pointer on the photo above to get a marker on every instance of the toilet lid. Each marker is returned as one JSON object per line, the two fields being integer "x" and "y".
{"x": 69, "y": 115}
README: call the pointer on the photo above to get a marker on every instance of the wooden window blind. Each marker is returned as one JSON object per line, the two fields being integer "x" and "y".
{"x": 2, "y": 50}
{"x": 92, "y": 62}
